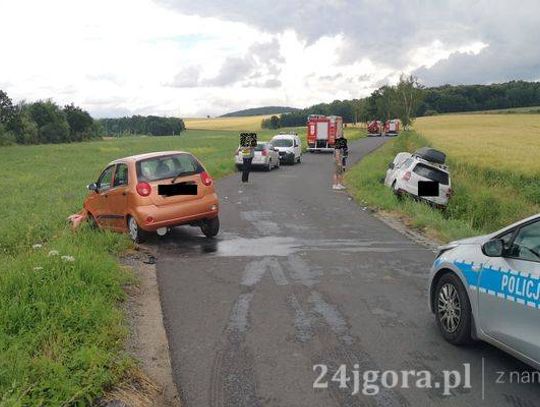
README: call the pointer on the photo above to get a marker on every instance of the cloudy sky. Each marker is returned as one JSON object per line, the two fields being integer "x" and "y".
{"x": 207, "y": 57}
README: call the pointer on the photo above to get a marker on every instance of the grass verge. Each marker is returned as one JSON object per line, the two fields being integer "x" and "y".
{"x": 485, "y": 199}
{"x": 62, "y": 331}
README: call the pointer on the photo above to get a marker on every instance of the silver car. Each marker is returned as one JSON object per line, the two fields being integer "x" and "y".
{"x": 265, "y": 156}
{"x": 488, "y": 288}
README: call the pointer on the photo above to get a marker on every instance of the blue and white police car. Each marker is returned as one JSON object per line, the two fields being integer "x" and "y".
{"x": 488, "y": 288}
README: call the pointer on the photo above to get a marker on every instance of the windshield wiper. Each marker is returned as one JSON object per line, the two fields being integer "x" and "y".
{"x": 182, "y": 173}
{"x": 176, "y": 176}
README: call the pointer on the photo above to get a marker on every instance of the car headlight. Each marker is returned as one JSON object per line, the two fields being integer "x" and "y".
{"x": 445, "y": 248}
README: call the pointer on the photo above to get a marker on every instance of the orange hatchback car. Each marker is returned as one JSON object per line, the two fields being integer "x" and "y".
{"x": 152, "y": 193}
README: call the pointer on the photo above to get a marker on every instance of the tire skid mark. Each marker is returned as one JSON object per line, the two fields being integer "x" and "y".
{"x": 300, "y": 271}
{"x": 233, "y": 378}
{"x": 277, "y": 272}
{"x": 342, "y": 348}
{"x": 303, "y": 322}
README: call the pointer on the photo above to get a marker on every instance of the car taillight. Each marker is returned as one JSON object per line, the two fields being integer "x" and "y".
{"x": 143, "y": 188}
{"x": 264, "y": 152}
{"x": 206, "y": 179}
{"x": 406, "y": 176}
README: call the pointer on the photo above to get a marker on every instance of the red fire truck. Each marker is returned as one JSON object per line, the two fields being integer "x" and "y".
{"x": 391, "y": 127}
{"x": 322, "y": 132}
{"x": 375, "y": 128}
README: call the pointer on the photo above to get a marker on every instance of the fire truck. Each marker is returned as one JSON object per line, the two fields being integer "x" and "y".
{"x": 322, "y": 132}
{"x": 375, "y": 128}
{"x": 391, "y": 127}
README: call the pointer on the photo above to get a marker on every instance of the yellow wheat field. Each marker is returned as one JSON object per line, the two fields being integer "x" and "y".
{"x": 501, "y": 141}
{"x": 250, "y": 123}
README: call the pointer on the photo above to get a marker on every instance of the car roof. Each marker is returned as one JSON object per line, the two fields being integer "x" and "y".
{"x": 440, "y": 167}
{"x": 285, "y": 136}
{"x": 513, "y": 225}
{"x": 138, "y": 157}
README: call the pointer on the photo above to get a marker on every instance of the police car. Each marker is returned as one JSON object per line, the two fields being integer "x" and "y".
{"x": 488, "y": 288}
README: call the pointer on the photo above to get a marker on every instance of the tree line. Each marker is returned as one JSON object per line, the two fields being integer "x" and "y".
{"x": 409, "y": 99}
{"x": 45, "y": 122}
{"x": 151, "y": 125}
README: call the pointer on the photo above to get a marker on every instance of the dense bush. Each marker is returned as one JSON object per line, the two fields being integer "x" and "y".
{"x": 151, "y": 125}
{"x": 44, "y": 122}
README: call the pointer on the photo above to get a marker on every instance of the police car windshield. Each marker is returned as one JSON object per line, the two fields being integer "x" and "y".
{"x": 282, "y": 142}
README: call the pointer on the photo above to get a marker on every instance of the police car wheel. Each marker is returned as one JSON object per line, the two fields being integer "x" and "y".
{"x": 453, "y": 310}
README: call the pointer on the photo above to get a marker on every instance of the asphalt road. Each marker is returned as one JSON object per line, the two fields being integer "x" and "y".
{"x": 300, "y": 275}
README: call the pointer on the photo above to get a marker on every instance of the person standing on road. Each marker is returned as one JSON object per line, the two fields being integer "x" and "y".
{"x": 338, "y": 165}
{"x": 344, "y": 152}
{"x": 247, "y": 157}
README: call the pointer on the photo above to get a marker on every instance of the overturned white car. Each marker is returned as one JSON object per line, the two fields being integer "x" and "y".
{"x": 422, "y": 175}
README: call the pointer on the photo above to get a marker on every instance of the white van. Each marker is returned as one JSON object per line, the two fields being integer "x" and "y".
{"x": 289, "y": 147}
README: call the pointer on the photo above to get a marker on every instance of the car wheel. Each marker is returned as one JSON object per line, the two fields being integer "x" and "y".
{"x": 394, "y": 189}
{"x": 210, "y": 227}
{"x": 135, "y": 232}
{"x": 238, "y": 167}
{"x": 453, "y": 310}
{"x": 299, "y": 159}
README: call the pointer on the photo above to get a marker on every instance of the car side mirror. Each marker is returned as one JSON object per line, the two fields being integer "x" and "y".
{"x": 493, "y": 248}
{"x": 391, "y": 166}
{"x": 92, "y": 187}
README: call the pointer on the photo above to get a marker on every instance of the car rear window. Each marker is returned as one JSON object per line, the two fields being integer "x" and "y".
{"x": 282, "y": 142}
{"x": 432, "y": 173}
{"x": 167, "y": 166}
{"x": 260, "y": 147}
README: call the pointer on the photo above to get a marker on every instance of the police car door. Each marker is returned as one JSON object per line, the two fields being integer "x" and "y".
{"x": 509, "y": 293}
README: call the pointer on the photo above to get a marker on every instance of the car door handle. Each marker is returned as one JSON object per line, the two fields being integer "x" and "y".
{"x": 124, "y": 193}
{"x": 106, "y": 196}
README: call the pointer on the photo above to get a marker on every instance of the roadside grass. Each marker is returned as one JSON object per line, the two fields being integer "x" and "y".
{"x": 62, "y": 330}
{"x": 486, "y": 196}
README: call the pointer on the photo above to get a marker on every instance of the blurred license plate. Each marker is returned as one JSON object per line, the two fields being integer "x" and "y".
{"x": 183, "y": 188}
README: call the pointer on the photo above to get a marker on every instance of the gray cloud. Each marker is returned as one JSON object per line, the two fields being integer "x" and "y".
{"x": 331, "y": 77}
{"x": 187, "y": 77}
{"x": 489, "y": 66}
{"x": 261, "y": 60}
{"x": 269, "y": 83}
{"x": 233, "y": 70}
{"x": 386, "y": 31}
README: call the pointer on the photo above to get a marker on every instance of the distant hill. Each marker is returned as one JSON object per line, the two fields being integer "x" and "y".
{"x": 258, "y": 111}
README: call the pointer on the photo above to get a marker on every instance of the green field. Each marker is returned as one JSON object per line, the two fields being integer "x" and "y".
{"x": 494, "y": 167}
{"x": 62, "y": 330}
